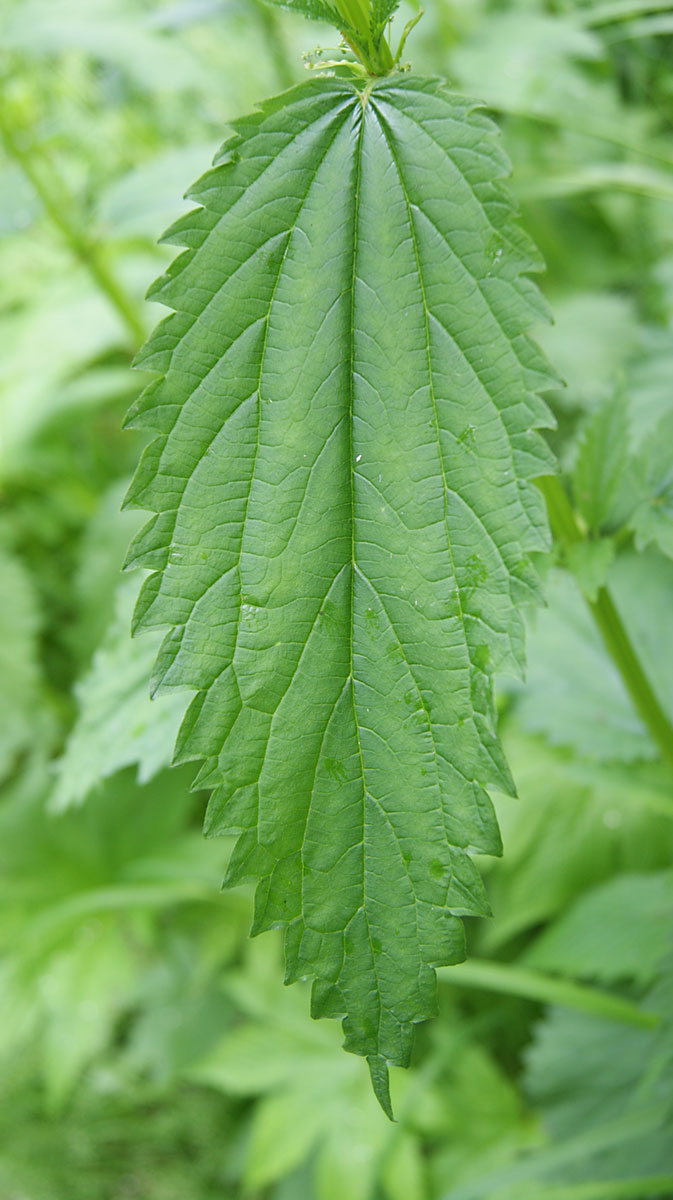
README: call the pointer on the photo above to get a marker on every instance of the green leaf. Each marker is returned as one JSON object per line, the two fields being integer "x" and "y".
{"x": 342, "y": 478}
{"x": 382, "y": 11}
{"x": 378, "y": 11}
{"x": 619, "y": 931}
{"x": 76, "y": 892}
{"x": 574, "y": 694}
{"x": 648, "y": 380}
{"x": 533, "y": 65}
{"x": 601, "y": 462}
{"x": 315, "y": 10}
{"x": 361, "y": 23}
{"x": 593, "y": 336}
{"x": 652, "y": 520}
{"x": 590, "y": 562}
{"x": 98, "y": 575}
{"x": 603, "y": 1093}
{"x": 45, "y": 347}
{"x": 22, "y": 710}
{"x": 312, "y": 1100}
{"x": 82, "y": 992}
{"x": 614, "y": 817}
{"x": 585, "y": 1073}
{"x": 625, "y": 477}
{"x": 108, "y": 34}
{"x": 118, "y": 724}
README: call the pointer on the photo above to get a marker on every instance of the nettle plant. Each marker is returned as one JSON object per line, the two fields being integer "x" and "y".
{"x": 346, "y": 412}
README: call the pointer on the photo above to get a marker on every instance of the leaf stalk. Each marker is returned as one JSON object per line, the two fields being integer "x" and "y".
{"x": 512, "y": 980}
{"x": 366, "y": 41}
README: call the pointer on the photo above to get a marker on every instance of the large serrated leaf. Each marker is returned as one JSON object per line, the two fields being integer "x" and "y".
{"x": 345, "y": 511}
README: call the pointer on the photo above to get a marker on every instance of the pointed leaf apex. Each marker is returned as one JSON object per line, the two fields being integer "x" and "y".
{"x": 380, "y": 1076}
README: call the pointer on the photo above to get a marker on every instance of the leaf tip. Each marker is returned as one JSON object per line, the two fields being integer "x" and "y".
{"x": 378, "y": 1069}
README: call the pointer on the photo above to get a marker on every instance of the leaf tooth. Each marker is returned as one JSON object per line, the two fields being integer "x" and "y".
{"x": 526, "y": 585}
{"x": 540, "y": 310}
{"x": 466, "y": 895}
{"x": 157, "y": 353}
{"x": 294, "y": 964}
{"x": 248, "y": 861}
{"x": 157, "y": 608}
{"x": 145, "y": 490}
{"x": 513, "y": 304}
{"x": 209, "y": 719}
{"x": 303, "y": 101}
{"x": 142, "y": 615}
{"x": 150, "y": 546}
{"x": 161, "y": 680}
{"x": 494, "y": 765}
{"x": 187, "y": 747}
{"x": 537, "y": 536}
{"x": 211, "y": 183}
{"x": 539, "y": 377}
{"x": 277, "y": 901}
{"x": 209, "y": 777}
{"x": 164, "y": 289}
{"x": 242, "y": 804}
{"x": 189, "y": 231}
{"x": 485, "y": 833}
{"x": 150, "y": 410}
{"x": 532, "y": 456}
{"x": 326, "y": 998}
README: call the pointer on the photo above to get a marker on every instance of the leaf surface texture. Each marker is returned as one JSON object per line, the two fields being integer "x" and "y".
{"x": 342, "y": 475}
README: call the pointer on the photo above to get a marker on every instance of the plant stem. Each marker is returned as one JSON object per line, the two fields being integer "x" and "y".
{"x": 58, "y": 204}
{"x": 614, "y": 1189}
{"x": 376, "y": 57}
{"x": 617, "y": 641}
{"x": 620, "y": 10}
{"x": 512, "y": 980}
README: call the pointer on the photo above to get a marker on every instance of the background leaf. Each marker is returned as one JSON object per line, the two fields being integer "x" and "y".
{"x": 619, "y": 931}
{"x": 118, "y": 723}
{"x": 585, "y": 703}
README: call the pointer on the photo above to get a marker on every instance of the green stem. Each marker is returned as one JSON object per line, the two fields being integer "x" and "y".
{"x": 620, "y": 10}
{"x": 512, "y": 980}
{"x": 376, "y": 57}
{"x": 604, "y": 611}
{"x": 58, "y": 204}
{"x": 614, "y": 1189}
{"x": 356, "y": 12}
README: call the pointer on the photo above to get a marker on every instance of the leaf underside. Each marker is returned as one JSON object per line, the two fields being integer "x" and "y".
{"x": 342, "y": 476}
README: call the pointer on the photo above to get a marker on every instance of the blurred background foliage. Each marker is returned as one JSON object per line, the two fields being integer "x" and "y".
{"x": 147, "y": 1049}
